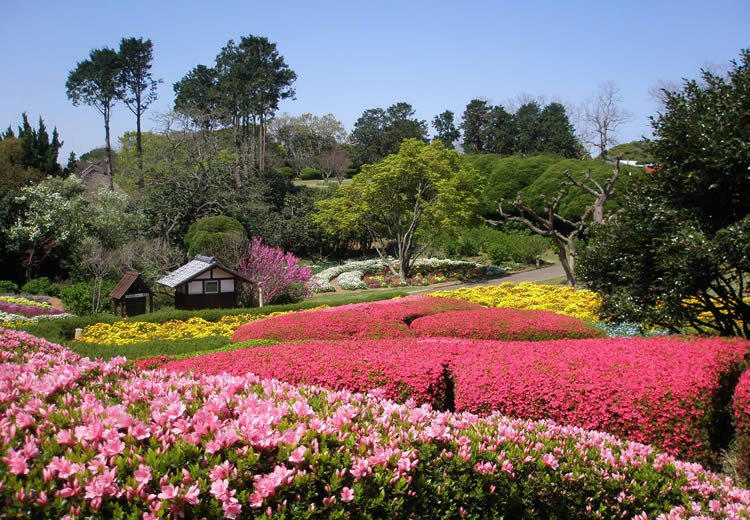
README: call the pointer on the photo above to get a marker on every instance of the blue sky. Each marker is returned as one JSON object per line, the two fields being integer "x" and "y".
{"x": 351, "y": 56}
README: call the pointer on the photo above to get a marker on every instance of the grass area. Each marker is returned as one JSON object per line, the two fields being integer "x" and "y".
{"x": 370, "y": 295}
{"x": 179, "y": 349}
{"x": 560, "y": 280}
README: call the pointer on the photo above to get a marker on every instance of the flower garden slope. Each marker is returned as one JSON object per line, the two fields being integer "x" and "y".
{"x": 94, "y": 440}
{"x": 661, "y": 391}
{"x": 503, "y": 324}
{"x": 382, "y": 319}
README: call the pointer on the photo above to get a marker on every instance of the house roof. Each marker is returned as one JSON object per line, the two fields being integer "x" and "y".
{"x": 95, "y": 177}
{"x": 199, "y": 265}
{"x": 125, "y": 283}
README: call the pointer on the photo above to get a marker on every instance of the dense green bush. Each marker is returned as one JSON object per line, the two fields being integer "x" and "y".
{"x": 286, "y": 171}
{"x": 43, "y": 286}
{"x": 308, "y": 174}
{"x": 77, "y": 298}
{"x": 6, "y": 286}
{"x": 148, "y": 349}
{"x": 208, "y": 235}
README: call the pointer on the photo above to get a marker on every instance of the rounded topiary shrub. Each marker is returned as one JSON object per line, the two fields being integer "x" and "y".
{"x": 208, "y": 235}
{"x": 309, "y": 174}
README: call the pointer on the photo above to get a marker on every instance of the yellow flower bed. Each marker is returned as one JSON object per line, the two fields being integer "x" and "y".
{"x": 19, "y": 300}
{"x": 580, "y": 304}
{"x": 128, "y": 332}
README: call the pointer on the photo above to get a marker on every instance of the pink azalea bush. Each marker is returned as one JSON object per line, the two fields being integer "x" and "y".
{"x": 28, "y": 310}
{"x": 87, "y": 439}
{"x": 503, "y": 324}
{"x": 741, "y": 409}
{"x": 381, "y": 319}
{"x": 659, "y": 390}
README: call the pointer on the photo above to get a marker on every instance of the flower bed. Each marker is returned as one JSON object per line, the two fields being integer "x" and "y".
{"x": 581, "y": 304}
{"x": 503, "y": 324}
{"x": 366, "y": 274}
{"x": 659, "y": 390}
{"x": 381, "y": 319}
{"x": 128, "y": 332}
{"x": 95, "y": 440}
{"x": 26, "y": 307}
{"x": 741, "y": 409}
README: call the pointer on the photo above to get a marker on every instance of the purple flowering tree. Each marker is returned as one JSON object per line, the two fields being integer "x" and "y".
{"x": 275, "y": 272}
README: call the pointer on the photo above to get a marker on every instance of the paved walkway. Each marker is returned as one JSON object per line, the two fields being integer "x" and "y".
{"x": 535, "y": 275}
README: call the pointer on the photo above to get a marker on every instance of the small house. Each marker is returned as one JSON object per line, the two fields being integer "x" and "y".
{"x": 129, "y": 296}
{"x": 204, "y": 283}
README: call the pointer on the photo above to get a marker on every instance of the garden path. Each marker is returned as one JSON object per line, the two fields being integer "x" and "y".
{"x": 535, "y": 275}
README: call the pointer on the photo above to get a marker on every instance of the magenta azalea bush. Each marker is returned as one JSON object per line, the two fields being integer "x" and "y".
{"x": 417, "y": 316}
{"x": 85, "y": 439}
{"x": 276, "y": 272}
{"x": 28, "y": 310}
{"x": 381, "y": 319}
{"x": 741, "y": 408}
{"x": 503, "y": 324}
{"x": 662, "y": 391}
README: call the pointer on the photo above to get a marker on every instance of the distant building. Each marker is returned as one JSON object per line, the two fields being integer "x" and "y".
{"x": 95, "y": 177}
{"x": 129, "y": 296}
{"x": 204, "y": 283}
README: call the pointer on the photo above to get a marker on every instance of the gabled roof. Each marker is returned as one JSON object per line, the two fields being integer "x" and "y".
{"x": 199, "y": 265}
{"x": 124, "y": 284}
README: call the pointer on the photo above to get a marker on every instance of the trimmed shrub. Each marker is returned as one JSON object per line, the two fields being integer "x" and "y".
{"x": 503, "y": 324}
{"x": 208, "y": 235}
{"x": 309, "y": 174}
{"x": 43, "y": 286}
{"x": 143, "y": 443}
{"x": 8, "y": 287}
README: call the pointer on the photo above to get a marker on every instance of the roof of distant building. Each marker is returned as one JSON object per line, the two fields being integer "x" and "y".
{"x": 199, "y": 265}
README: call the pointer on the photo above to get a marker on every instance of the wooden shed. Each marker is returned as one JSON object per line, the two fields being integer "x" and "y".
{"x": 204, "y": 283}
{"x": 129, "y": 295}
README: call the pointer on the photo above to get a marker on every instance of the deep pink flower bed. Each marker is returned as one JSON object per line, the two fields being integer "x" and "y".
{"x": 83, "y": 439}
{"x": 503, "y": 324}
{"x": 656, "y": 390}
{"x": 382, "y": 319}
{"x": 416, "y": 316}
{"x": 27, "y": 310}
{"x": 741, "y": 409}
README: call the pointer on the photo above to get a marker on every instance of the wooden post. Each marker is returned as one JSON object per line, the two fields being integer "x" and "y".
{"x": 260, "y": 295}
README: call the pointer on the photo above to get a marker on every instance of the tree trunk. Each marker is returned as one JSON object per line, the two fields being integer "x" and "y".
{"x": 139, "y": 148}
{"x": 109, "y": 152}
{"x": 238, "y": 152}
{"x": 568, "y": 263}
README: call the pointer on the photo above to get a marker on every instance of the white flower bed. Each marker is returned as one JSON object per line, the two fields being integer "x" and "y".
{"x": 6, "y": 317}
{"x": 350, "y": 273}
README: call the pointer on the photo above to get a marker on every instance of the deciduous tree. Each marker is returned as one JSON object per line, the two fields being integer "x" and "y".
{"x": 603, "y": 116}
{"x": 407, "y": 198}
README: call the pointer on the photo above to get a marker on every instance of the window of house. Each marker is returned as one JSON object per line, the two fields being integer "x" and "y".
{"x": 212, "y": 286}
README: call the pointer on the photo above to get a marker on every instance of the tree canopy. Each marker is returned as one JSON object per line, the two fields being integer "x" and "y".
{"x": 678, "y": 253}
{"x": 379, "y": 132}
{"x": 408, "y": 198}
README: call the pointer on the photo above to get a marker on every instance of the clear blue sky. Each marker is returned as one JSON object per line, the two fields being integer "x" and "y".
{"x": 354, "y": 55}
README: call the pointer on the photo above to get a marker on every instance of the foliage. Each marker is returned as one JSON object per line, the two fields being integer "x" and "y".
{"x": 518, "y": 247}
{"x": 276, "y": 273}
{"x": 306, "y": 138}
{"x": 581, "y": 304}
{"x": 206, "y": 236}
{"x": 248, "y": 446}
{"x": 445, "y": 129}
{"x": 678, "y": 254}
{"x": 632, "y": 151}
{"x": 43, "y": 286}
{"x": 147, "y": 349}
{"x": 379, "y": 133}
{"x": 38, "y": 153}
{"x": 95, "y": 82}
{"x": 308, "y": 174}
{"x": 8, "y": 286}
{"x": 530, "y": 130}
{"x": 77, "y": 298}
{"x": 406, "y": 197}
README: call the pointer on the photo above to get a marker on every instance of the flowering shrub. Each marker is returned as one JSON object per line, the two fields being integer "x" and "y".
{"x": 37, "y": 301}
{"x": 659, "y": 390}
{"x": 424, "y": 275}
{"x": 276, "y": 272}
{"x": 83, "y": 439}
{"x": 381, "y": 319}
{"x": 128, "y": 332}
{"x": 503, "y": 324}
{"x": 741, "y": 408}
{"x": 581, "y": 304}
